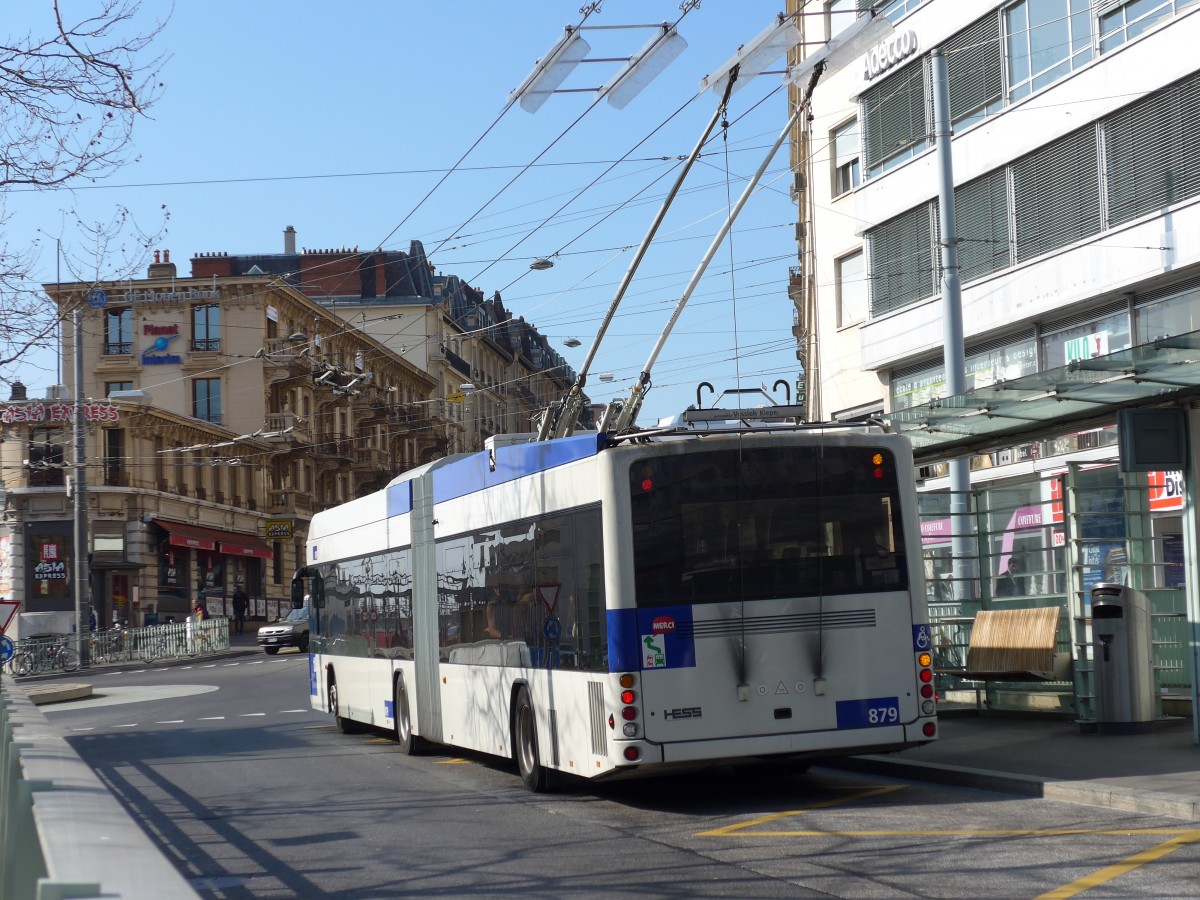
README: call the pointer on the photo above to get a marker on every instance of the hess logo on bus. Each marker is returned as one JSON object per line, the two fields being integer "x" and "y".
{"x": 662, "y": 625}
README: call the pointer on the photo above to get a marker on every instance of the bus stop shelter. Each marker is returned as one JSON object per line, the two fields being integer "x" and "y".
{"x": 1087, "y": 393}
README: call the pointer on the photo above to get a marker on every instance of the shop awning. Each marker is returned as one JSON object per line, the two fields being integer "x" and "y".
{"x": 197, "y": 537}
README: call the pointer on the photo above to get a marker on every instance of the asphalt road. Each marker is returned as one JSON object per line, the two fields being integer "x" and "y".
{"x": 252, "y": 794}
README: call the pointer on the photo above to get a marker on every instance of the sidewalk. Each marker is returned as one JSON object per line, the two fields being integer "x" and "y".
{"x": 1156, "y": 773}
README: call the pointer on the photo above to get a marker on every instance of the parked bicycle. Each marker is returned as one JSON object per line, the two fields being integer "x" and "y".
{"x": 34, "y": 657}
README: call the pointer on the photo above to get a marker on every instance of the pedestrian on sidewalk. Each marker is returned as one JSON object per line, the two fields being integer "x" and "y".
{"x": 240, "y": 601}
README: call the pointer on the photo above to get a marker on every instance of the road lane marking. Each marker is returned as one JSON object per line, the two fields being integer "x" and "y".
{"x": 861, "y": 794}
{"x": 1126, "y": 865}
{"x": 210, "y": 718}
{"x": 311, "y": 727}
{"x": 294, "y": 710}
{"x": 88, "y": 728}
{"x": 453, "y": 762}
{"x": 130, "y": 725}
{"x": 245, "y": 715}
{"x": 227, "y": 665}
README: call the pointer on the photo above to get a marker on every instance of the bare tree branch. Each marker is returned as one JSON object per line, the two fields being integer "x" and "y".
{"x": 69, "y": 99}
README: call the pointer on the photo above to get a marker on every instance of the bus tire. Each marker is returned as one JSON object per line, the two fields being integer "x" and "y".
{"x": 525, "y": 744}
{"x": 409, "y": 743}
{"x": 347, "y": 726}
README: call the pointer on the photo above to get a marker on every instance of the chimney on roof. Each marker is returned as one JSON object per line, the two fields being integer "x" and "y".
{"x": 289, "y": 240}
{"x": 18, "y": 392}
{"x": 164, "y": 269}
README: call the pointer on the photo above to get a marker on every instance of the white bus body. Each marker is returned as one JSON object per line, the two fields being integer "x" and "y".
{"x": 596, "y": 608}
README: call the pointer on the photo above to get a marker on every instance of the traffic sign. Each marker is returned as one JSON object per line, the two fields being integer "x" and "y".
{"x": 8, "y": 609}
{"x": 96, "y": 298}
{"x": 6, "y": 648}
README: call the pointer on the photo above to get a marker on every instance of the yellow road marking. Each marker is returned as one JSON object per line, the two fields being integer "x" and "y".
{"x": 378, "y": 740}
{"x": 1126, "y": 865}
{"x": 312, "y": 727}
{"x": 452, "y": 762}
{"x": 824, "y": 804}
{"x": 983, "y": 832}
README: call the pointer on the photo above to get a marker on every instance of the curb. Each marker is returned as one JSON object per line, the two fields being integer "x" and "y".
{"x": 1087, "y": 793}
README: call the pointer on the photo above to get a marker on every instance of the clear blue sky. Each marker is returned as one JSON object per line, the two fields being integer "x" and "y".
{"x": 338, "y": 118}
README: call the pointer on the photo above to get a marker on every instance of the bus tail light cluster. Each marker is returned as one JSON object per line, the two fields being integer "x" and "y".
{"x": 925, "y": 675}
{"x": 630, "y": 711}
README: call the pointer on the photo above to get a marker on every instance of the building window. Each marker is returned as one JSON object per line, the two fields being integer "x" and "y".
{"x": 1096, "y": 338}
{"x": 206, "y": 399}
{"x": 118, "y": 332}
{"x": 206, "y": 328}
{"x": 46, "y": 458}
{"x": 115, "y": 472}
{"x": 975, "y": 73}
{"x": 1046, "y": 39}
{"x": 1131, "y": 19}
{"x": 839, "y": 15}
{"x": 897, "y": 9}
{"x": 851, "y": 275}
{"x": 1056, "y": 194}
{"x": 846, "y": 172}
{"x": 111, "y": 386}
{"x": 1152, "y": 152}
{"x": 896, "y": 119}
{"x": 901, "y": 255}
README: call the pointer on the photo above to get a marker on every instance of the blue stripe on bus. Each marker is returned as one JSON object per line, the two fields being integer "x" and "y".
{"x": 399, "y": 499}
{"x": 658, "y": 638}
{"x": 466, "y": 476}
{"x": 624, "y": 651}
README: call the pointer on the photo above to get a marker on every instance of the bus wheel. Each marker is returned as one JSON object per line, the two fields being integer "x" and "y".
{"x": 535, "y": 776}
{"x": 409, "y": 743}
{"x": 346, "y": 725}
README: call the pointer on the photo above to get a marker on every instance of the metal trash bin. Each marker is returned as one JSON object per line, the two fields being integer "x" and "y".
{"x": 1123, "y": 660}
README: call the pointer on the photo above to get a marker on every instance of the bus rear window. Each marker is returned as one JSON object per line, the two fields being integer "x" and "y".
{"x": 763, "y": 523}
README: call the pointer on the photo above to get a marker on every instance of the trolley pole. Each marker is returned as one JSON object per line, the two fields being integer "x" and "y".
{"x": 952, "y": 325}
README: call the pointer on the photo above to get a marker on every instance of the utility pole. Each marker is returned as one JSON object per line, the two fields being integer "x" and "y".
{"x": 952, "y": 325}
{"x": 82, "y": 586}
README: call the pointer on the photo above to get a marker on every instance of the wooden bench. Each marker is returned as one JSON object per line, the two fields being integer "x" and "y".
{"x": 1014, "y": 645}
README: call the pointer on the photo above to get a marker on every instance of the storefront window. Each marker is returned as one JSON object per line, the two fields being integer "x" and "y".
{"x": 982, "y": 369}
{"x": 1174, "y": 315}
{"x": 1096, "y": 338}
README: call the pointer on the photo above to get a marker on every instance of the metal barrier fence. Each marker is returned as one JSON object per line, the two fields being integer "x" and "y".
{"x": 66, "y": 653}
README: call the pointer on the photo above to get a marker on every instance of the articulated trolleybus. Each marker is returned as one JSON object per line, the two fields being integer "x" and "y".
{"x": 598, "y": 606}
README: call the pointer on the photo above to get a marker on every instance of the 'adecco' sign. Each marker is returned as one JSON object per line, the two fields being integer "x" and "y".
{"x": 889, "y": 54}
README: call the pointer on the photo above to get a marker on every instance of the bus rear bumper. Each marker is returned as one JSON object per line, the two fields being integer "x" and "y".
{"x": 849, "y": 742}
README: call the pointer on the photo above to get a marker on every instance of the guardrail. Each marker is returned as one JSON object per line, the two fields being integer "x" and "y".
{"x": 173, "y": 640}
{"x": 62, "y": 834}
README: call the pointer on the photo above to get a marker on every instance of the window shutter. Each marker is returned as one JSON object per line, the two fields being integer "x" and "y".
{"x": 1152, "y": 151}
{"x": 975, "y": 68}
{"x": 981, "y": 215}
{"x": 901, "y": 254}
{"x": 1056, "y": 191}
{"x": 894, "y": 114}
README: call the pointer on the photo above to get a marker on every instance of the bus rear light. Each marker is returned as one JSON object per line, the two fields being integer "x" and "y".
{"x": 927, "y": 691}
{"x": 929, "y": 729}
{"x": 628, "y": 697}
{"x": 628, "y": 680}
{"x": 925, "y": 660}
{"x": 927, "y": 707}
{"x": 612, "y": 723}
{"x": 630, "y": 729}
{"x": 632, "y": 753}
{"x": 926, "y": 675}
{"x": 629, "y": 713}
